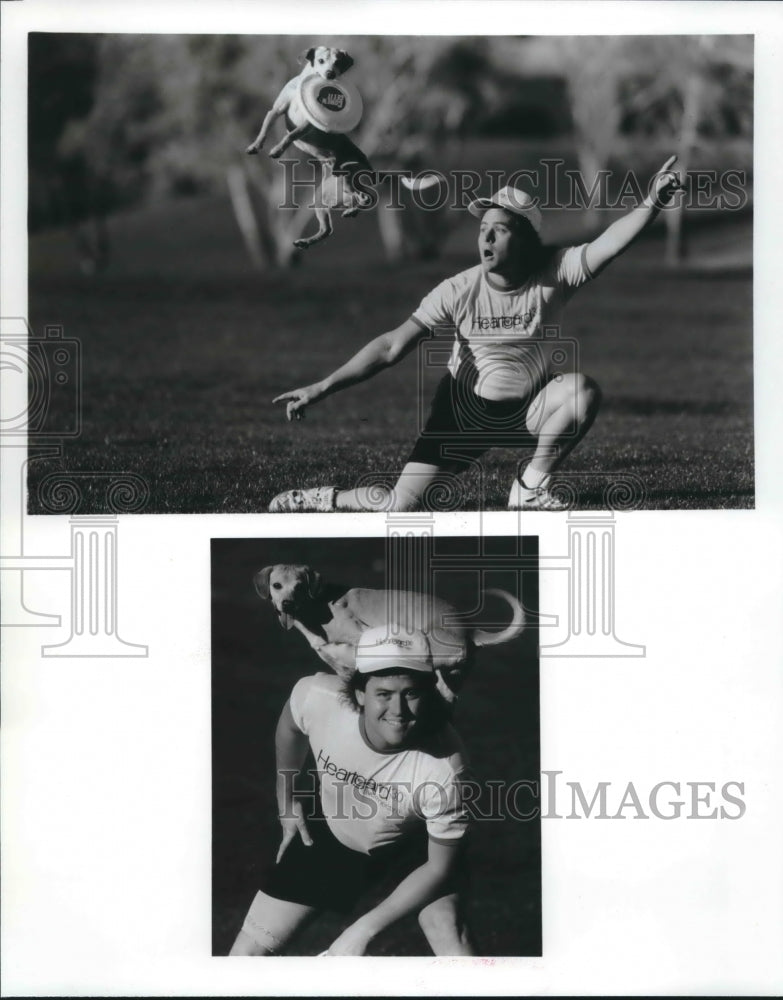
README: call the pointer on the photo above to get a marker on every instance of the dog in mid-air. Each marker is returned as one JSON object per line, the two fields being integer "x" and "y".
{"x": 332, "y": 618}
{"x": 341, "y": 160}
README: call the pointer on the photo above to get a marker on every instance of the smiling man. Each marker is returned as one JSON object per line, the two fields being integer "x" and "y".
{"x": 506, "y": 384}
{"x": 390, "y": 810}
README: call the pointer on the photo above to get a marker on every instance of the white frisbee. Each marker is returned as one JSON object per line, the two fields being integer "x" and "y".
{"x": 331, "y": 105}
{"x": 421, "y": 183}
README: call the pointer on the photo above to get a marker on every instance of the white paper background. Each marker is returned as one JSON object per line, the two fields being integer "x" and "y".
{"x": 106, "y": 763}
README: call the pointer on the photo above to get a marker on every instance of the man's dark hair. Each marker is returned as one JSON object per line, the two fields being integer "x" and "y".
{"x": 437, "y": 711}
{"x": 540, "y": 254}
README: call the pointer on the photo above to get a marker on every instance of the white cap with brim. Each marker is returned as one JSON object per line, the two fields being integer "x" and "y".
{"x": 388, "y": 646}
{"x": 512, "y": 200}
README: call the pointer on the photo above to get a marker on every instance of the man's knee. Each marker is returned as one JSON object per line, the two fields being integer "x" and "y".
{"x": 250, "y": 943}
{"x": 585, "y": 393}
{"x": 443, "y": 919}
{"x": 269, "y": 925}
{"x": 590, "y": 387}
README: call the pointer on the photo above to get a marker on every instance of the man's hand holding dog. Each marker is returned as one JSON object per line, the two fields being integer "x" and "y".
{"x": 297, "y": 399}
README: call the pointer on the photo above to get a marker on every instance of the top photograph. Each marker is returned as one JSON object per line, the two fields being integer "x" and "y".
{"x": 283, "y": 274}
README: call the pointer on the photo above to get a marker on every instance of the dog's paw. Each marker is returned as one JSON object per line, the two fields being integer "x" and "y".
{"x": 252, "y": 148}
{"x": 349, "y": 213}
{"x": 276, "y": 153}
{"x": 301, "y": 244}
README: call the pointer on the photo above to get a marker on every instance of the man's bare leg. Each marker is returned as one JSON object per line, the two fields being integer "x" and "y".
{"x": 559, "y": 417}
{"x": 444, "y": 927}
{"x": 408, "y": 493}
{"x": 269, "y": 926}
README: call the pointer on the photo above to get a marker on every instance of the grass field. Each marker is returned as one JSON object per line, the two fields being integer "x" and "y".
{"x": 184, "y": 348}
{"x": 255, "y": 664}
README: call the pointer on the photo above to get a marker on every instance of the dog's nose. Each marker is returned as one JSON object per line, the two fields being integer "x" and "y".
{"x": 330, "y": 74}
{"x": 287, "y": 605}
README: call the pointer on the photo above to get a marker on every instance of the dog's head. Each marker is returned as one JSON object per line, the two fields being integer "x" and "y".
{"x": 289, "y": 588}
{"x": 328, "y": 63}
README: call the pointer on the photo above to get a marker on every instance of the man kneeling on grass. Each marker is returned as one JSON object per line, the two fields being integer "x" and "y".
{"x": 391, "y": 813}
{"x": 504, "y": 382}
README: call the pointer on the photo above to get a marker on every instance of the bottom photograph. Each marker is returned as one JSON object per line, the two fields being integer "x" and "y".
{"x": 375, "y": 746}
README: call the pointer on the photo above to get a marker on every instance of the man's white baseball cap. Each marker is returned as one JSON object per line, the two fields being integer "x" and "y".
{"x": 387, "y": 646}
{"x": 513, "y": 200}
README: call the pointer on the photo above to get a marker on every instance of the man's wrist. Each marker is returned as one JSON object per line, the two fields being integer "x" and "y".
{"x": 285, "y": 802}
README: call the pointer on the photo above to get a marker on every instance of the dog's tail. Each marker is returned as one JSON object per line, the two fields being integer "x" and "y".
{"x": 515, "y": 627}
{"x": 422, "y": 182}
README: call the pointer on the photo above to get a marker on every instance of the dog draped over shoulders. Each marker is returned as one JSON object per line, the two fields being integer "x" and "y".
{"x": 332, "y": 618}
{"x": 344, "y": 167}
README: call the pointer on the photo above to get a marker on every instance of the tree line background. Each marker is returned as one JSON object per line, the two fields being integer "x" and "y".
{"x": 121, "y": 120}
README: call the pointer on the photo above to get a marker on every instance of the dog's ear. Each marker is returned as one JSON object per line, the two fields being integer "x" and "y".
{"x": 343, "y": 62}
{"x": 261, "y": 582}
{"x": 308, "y": 56}
{"x": 314, "y": 582}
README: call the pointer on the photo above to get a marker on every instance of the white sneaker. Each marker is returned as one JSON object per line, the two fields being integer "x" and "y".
{"x": 525, "y": 498}
{"x": 317, "y": 500}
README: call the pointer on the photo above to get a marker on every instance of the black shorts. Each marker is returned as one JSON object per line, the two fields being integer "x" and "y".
{"x": 461, "y": 426}
{"x": 330, "y": 876}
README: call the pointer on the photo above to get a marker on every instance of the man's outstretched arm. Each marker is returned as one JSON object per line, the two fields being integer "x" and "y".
{"x": 380, "y": 353}
{"x": 619, "y": 236}
{"x": 291, "y": 746}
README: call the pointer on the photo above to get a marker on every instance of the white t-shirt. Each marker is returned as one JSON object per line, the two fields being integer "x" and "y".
{"x": 371, "y": 798}
{"x": 510, "y": 337}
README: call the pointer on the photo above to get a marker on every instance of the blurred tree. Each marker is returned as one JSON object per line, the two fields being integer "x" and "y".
{"x": 62, "y": 188}
{"x": 418, "y": 97}
{"x": 689, "y": 91}
{"x": 591, "y": 67}
{"x": 683, "y": 93}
